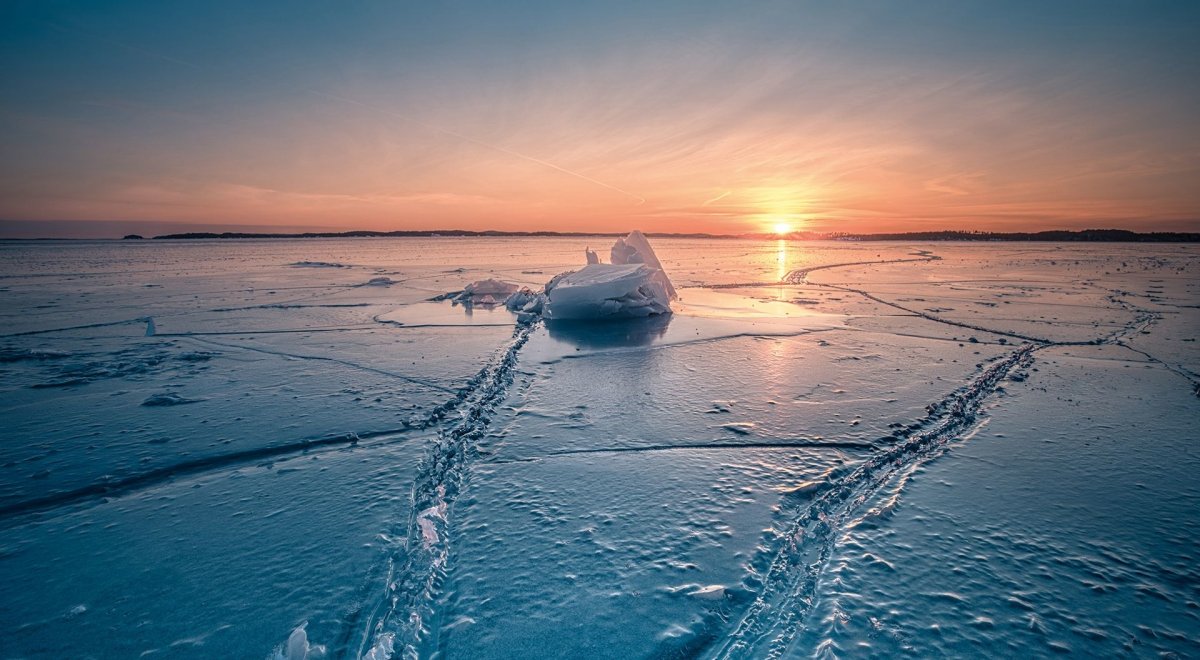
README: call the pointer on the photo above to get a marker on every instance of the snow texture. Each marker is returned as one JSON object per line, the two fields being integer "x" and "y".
{"x": 826, "y": 449}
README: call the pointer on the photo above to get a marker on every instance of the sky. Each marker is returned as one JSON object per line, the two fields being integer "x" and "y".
{"x": 575, "y": 116}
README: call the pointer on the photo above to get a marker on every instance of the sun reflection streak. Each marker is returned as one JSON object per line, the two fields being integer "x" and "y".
{"x": 781, "y": 263}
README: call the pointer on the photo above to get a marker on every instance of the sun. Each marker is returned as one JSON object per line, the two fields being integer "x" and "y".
{"x": 782, "y": 228}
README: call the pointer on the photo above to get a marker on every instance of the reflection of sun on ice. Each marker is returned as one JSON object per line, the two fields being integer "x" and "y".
{"x": 781, "y": 262}
{"x": 782, "y": 228}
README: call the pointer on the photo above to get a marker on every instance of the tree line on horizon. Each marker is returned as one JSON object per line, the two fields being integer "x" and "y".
{"x": 1060, "y": 235}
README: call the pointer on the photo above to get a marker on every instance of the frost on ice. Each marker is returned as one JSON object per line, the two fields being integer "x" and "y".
{"x": 633, "y": 285}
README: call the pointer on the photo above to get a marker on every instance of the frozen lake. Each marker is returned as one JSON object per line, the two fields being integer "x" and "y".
{"x": 830, "y": 449}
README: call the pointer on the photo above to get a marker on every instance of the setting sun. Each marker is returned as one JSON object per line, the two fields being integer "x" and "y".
{"x": 781, "y": 227}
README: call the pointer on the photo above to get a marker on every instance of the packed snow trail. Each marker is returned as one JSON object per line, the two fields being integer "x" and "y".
{"x": 788, "y": 572}
{"x": 401, "y": 620}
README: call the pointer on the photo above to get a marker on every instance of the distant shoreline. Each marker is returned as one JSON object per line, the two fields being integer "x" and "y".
{"x": 1059, "y": 236}
{"x": 1086, "y": 235}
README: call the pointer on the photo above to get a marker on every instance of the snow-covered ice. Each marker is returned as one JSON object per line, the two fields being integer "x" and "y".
{"x": 836, "y": 449}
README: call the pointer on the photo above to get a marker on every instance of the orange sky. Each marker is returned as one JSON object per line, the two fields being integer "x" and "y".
{"x": 717, "y": 123}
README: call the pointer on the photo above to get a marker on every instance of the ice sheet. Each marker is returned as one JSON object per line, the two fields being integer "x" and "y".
{"x": 758, "y": 471}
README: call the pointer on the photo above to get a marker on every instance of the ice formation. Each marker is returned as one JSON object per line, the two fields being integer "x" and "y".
{"x": 487, "y": 292}
{"x": 635, "y": 249}
{"x": 633, "y": 285}
{"x": 600, "y": 291}
{"x": 297, "y": 647}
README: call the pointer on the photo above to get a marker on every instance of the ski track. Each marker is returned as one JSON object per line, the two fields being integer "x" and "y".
{"x": 787, "y": 572}
{"x": 400, "y": 621}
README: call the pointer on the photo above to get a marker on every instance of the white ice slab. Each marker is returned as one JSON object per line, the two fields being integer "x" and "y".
{"x": 600, "y": 291}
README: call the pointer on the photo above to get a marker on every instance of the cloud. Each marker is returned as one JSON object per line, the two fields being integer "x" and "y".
{"x": 720, "y": 120}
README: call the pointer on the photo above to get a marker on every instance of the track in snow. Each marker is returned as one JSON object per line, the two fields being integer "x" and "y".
{"x": 788, "y": 572}
{"x": 401, "y": 620}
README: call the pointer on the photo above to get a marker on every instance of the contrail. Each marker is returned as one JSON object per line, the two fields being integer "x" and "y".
{"x": 466, "y": 138}
{"x": 717, "y": 198}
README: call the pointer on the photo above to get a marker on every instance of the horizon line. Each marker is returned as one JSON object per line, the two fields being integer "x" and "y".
{"x": 1108, "y": 234}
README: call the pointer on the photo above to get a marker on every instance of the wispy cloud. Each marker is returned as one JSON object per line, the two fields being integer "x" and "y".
{"x": 713, "y": 119}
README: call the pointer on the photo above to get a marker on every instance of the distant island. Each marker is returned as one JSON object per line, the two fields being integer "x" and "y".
{"x": 430, "y": 233}
{"x": 1086, "y": 235}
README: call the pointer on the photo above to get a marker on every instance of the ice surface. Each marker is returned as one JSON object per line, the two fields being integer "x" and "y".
{"x": 828, "y": 448}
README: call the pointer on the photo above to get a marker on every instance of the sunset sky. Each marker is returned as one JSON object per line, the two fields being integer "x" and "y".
{"x": 665, "y": 116}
